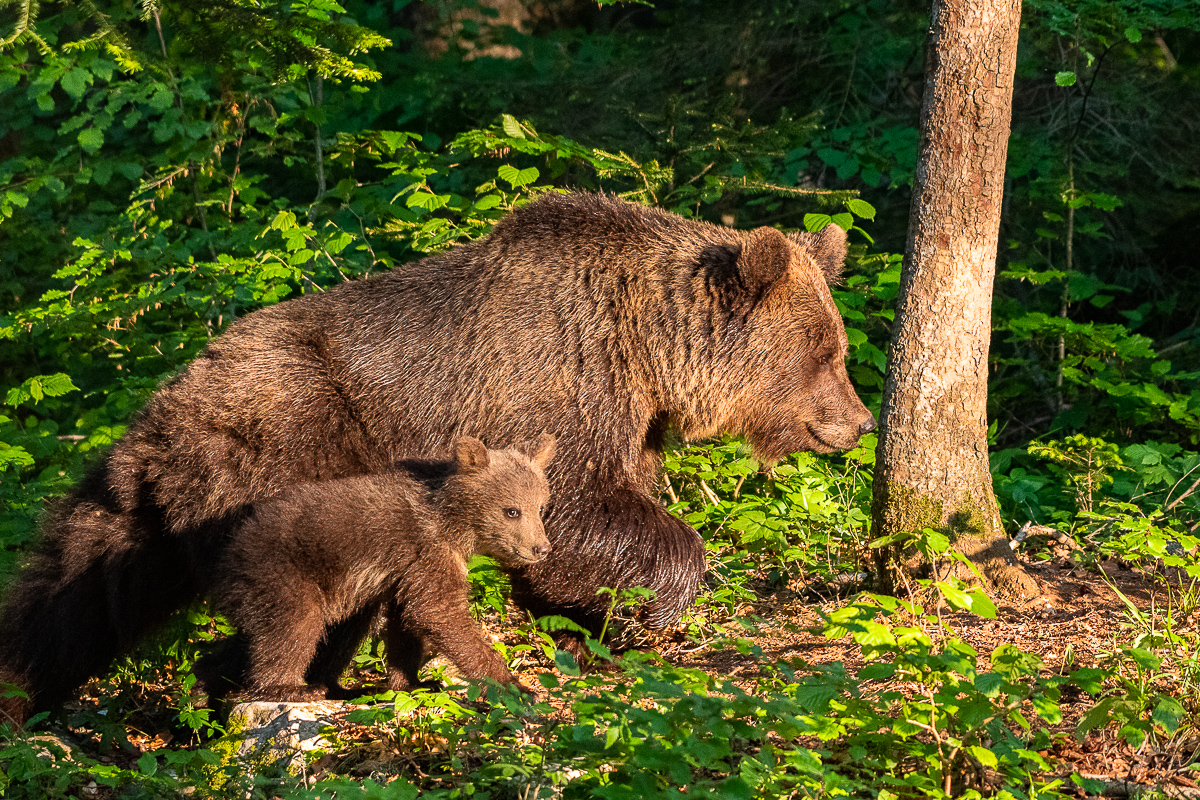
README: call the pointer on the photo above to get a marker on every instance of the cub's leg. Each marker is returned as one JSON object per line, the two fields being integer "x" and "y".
{"x": 438, "y": 615}
{"x": 337, "y": 649}
{"x": 405, "y": 654}
{"x": 283, "y": 634}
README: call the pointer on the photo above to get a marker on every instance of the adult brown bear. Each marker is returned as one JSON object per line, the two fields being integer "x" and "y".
{"x": 593, "y": 319}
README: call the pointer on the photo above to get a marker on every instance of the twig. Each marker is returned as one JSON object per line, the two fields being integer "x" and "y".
{"x": 709, "y": 493}
{"x": 1179, "y": 499}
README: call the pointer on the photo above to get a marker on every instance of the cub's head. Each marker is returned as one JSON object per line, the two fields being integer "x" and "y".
{"x": 780, "y": 345}
{"x": 501, "y": 495}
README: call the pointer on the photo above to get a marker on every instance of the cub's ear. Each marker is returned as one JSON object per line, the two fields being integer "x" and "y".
{"x": 540, "y": 450}
{"x": 827, "y": 247}
{"x": 470, "y": 455}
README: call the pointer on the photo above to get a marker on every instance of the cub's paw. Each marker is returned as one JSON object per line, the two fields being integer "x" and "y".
{"x": 285, "y": 693}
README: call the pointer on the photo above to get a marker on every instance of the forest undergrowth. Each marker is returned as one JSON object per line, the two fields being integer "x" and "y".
{"x": 788, "y": 677}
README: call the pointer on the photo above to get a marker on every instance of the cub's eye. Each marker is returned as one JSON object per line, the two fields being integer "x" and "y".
{"x": 512, "y": 513}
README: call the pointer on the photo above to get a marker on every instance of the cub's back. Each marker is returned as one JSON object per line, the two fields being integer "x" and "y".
{"x": 329, "y": 529}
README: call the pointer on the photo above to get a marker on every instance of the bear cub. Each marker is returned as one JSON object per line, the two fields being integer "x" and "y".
{"x": 319, "y": 554}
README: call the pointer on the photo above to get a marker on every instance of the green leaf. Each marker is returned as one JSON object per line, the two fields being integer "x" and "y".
{"x": 1133, "y": 35}
{"x": 983, "y": 756}
{"x": 1167, "y": 713}
{"x": 91, "y": 139}
{"x": 1095, "y": 718}
{"x": 513, "y": 128}
{"x": 40, "y": 386}
{"x": 816, "y": 222}
{"x": 815, "y": 697}
{"x": 981, "y": 604}
{"x": 566, "y": 663}
{"x": 956, "y": 597}
{"x": 874, "y": 633}
{"x": 11, "y": 455}
{"x": 861, "y": 208}
{"x": 148, "y": 764}
{"x": 1090, "y": 679}
{"x": 162, "y": 99}
{"x": 611, "y": 736}
{"x": 404, "y": 704}
{"x": 427, "y": 200}
{"x": 1065, "y": 79}
{"x": 844, "y": 221}
{"x": 855, "y": 337}
{"x": 1091, "y": 786}
{"x": 518, "y": 178}
{"x": 75, "y": 82}
{"x": 1144, "y": 658}
{"x": 937, "y": 542}
{"x": 487, "y": 202}
{"x": 833, "y": 158}
{"x": 989, "y": 683}
{"x": 873, "y": 672}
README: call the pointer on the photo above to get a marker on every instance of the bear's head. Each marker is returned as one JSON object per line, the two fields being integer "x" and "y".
{"x": 783, "y": 345}
{"x": 500, "y": 496}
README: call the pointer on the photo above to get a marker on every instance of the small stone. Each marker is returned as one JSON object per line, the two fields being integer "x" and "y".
{"x": 266, "y": 736}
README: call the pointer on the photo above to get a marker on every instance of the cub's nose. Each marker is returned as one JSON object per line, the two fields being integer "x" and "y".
{"x": 867, "y": 425}
{"x": 541, "y": 550}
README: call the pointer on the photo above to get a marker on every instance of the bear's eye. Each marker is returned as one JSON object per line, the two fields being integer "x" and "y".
{"x": 512, "y": 513}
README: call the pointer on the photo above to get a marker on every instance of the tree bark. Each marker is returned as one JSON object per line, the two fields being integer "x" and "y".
{"x": 932, "y": 459}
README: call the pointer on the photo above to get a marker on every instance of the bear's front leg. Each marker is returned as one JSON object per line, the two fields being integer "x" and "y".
{"x": 617, "y": 538}
{"x": 439, "y": 617}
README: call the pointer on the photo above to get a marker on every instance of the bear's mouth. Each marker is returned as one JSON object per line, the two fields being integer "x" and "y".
{"x": 832, "y": 447}
{"x": 526, "y": 558}
{"x": 816, "y": 437}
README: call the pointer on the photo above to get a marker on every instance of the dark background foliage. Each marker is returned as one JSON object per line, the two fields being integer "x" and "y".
{"x": 167, "y": 168}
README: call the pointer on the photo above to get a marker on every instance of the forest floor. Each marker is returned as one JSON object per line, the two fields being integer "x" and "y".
{"x": 1075, "y": 624}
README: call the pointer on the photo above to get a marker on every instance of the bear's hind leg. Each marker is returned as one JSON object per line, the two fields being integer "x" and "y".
{"x": 283, "y": 638}
{"x": 99, "y": 581}
{"x": 337, "y": 649}
{"x": 405, "y": 654}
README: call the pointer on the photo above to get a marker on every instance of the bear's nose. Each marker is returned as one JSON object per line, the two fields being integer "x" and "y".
{"x": 541, "y": 550}
{"x": 867, "y": 425}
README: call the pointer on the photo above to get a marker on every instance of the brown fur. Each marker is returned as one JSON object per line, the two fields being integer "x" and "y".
{"x": 322, "y": 553}
{"x": 597, "y": 320}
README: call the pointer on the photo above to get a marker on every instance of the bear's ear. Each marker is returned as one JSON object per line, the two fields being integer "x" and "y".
{"x": 827, "y": 247}
{"x": 540, "y": 450}
{"x": 764, "y": 258}
{"x": 470, "y": 455}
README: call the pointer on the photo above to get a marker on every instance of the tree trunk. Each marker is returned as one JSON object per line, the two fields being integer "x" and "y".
{"x": 932, "y": 459}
